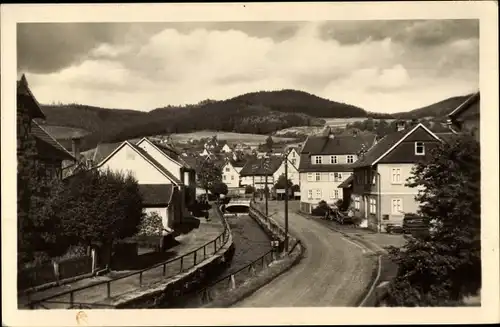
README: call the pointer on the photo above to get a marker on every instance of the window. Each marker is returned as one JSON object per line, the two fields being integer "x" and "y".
{"x": 224, "y": 177}
{"x": 232, "y": 177}
{"x": 318, "y": 194}
{"x": 356, "y": 203}
{"x": 336, "y": 194}
{"x": 338, "y": 177}
{"x": 310, "y": 194}
{"x": 332, "y": 194}
{"x": 333, "y": 159}
{"x": 419, "y": 148}
{"x": 374, "y": 178}
{"x": 293, "y": 154}
{"x": 350, "y": 158}
{"x": 318, "y": 160}
{"x": 318, "y": 177}
{"x": 227, "y": 169}
{"x": 309, "y": 177}
{"x": 396, "y": 176}
{"x": 397, "y": 206}
{"x": 373, "y": 206}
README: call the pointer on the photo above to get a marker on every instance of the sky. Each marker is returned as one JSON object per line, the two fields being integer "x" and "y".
{"x": 381, "y": 66}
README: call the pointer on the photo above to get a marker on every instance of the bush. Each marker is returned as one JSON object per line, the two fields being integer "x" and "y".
{"x": 249, "y": 189}
{"x": 321, "y": 209}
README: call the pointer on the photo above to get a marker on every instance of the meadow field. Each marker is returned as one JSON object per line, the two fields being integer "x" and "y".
{"x": 227, "y": 136}
{"x": 342, "y": 122}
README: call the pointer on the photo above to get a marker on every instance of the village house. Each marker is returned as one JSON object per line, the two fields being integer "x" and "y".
{"x": 162, "y": 191}
{"x": 293, "y": 160}
{"x": 465, "y": 118}
{"x": 226, "y": 148}
{"x": 325, "y": 162}
{"x": 49, "y": 153}
{"x": 231, "y": 172}
{"x": 379, "y": 192}
{"x": 255, "y": 170}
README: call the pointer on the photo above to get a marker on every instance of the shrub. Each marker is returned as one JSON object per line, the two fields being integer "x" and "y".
{"x": 249, "y": 189}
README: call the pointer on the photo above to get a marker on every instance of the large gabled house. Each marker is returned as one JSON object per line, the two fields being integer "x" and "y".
{"x": 172, "y": 161}
{"x": 49, "y": 154}
{"x": 162, "y": 191}
{"x": 293, "y": 160}
{"x": 378, "y": 186}
{"x": 465, "y": 118}
{"x": 325, "y": 162}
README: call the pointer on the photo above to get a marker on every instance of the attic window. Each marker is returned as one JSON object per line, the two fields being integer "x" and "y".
{"x": 318, "y": 160}
{"x": 419, "y": 148}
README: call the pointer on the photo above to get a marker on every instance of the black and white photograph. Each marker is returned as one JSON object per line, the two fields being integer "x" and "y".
{"x": 255, "y": 160}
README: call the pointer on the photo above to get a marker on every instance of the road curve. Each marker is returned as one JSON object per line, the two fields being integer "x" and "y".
{"x": 333, "y": 272}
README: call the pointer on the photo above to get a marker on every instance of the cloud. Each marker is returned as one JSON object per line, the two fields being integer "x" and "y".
{"x": 386, "y": 66}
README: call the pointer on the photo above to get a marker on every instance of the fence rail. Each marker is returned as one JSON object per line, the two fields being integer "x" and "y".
{"x": 135, "y": 280}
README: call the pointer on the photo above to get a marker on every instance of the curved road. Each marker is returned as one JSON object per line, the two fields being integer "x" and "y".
{"x": 333, "y": 272}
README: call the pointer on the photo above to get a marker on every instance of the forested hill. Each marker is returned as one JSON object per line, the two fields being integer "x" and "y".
{"x": 301, "y": 102}
{"x": 438, "y": 109}
{"x": 259, "y": 112}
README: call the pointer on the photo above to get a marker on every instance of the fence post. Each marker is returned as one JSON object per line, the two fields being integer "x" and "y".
{"x": 194, "y": 263}
{"x": 109, "y": 288}
{"x": 233, "y": 282}
{"x": 182, "y": 263}
{"x": 56, "y": 271}
{"x": 94, "y": 261}
{"x": 71, "y": 299}
{"x": 140, "y": 278}
{"x": 164, "y": 269}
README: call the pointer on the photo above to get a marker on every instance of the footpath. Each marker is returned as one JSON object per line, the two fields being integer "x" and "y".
{"x": 206, "y": 232}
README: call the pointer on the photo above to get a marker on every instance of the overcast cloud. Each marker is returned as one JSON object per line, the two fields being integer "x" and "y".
{"x": 382, "y": 66}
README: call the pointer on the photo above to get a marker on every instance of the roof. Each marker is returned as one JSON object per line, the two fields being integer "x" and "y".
{"x": 447, "y": 137}
{"x": 306, "y": 166}
{"x": 237, "y": 163}
{"x": 47, "y": 146}
{"x": 156, "y": 194}
{"x": 464, "y": 105}
{"x": 156, "y": 163}
{"x": 173, "y": 153}
{"x": 347, "y": 183}
{"x": 27, "y": 99}
{"x": 103, "y": 150}
{"x": 385, "y": 145}
{"x": 337, "y": 144}
{"x": 255, "y": 166}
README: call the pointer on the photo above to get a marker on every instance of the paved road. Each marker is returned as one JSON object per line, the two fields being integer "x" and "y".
{"x": 333, "y": 272}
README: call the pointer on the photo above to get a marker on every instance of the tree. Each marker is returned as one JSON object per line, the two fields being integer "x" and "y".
{"x": 442, "y": 267}
{"x": 208, "y": 175}
{"x": 269, "y": 143}
{"x": 282, "y": 182}
{"x": 249, "y": 189}
{"x": 219, "y": 188}
{"x": 39, "y": 228}
{"x": 100, "y": 207}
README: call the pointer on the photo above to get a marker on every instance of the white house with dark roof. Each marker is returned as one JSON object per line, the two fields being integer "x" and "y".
{"x": 325, "y": 162}
{"x": 380, "y": 195}
{"x": 231, "y": 173}
{"x": 163, "y": 190}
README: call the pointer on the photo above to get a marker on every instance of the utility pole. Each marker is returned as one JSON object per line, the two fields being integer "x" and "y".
{"x": 265, "y": 191}
{"x": 253, "y": 186}
{"x": 286, "y": 202}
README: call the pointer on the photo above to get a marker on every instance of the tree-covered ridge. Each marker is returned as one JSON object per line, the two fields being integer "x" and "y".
{"x": 438, "y": 109}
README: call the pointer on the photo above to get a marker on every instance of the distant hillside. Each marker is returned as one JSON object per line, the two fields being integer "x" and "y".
{"x": 438, "y": 109}
{"x": 257, "y": 113}
{"x": 301, "y": 102}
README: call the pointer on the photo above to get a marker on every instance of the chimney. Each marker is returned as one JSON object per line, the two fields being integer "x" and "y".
{"x": 75, "y": 146}
{"x": 400, "y": 125}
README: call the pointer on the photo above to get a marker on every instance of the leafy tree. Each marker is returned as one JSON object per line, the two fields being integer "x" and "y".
{"x": 209, "y": 174}
{"x": 442, "y": 267}
{"x": 295, "y": 188}
{"x": 282, "y": 182}
{"x": 39, "y": 228}
{"x": 151, "y": 225}
{"x": 219, "y": 188}
{"x": 100, "y": 207}
{"x": 269, "y": 143}
{"x": 249, "y": 189}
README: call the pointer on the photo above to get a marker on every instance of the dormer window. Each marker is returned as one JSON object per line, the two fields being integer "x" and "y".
{"x": 333, "y": 159}
{"x": 350, "y": 159}
{"x": 318, "y": 160}
{"x": 419, "y": 148}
